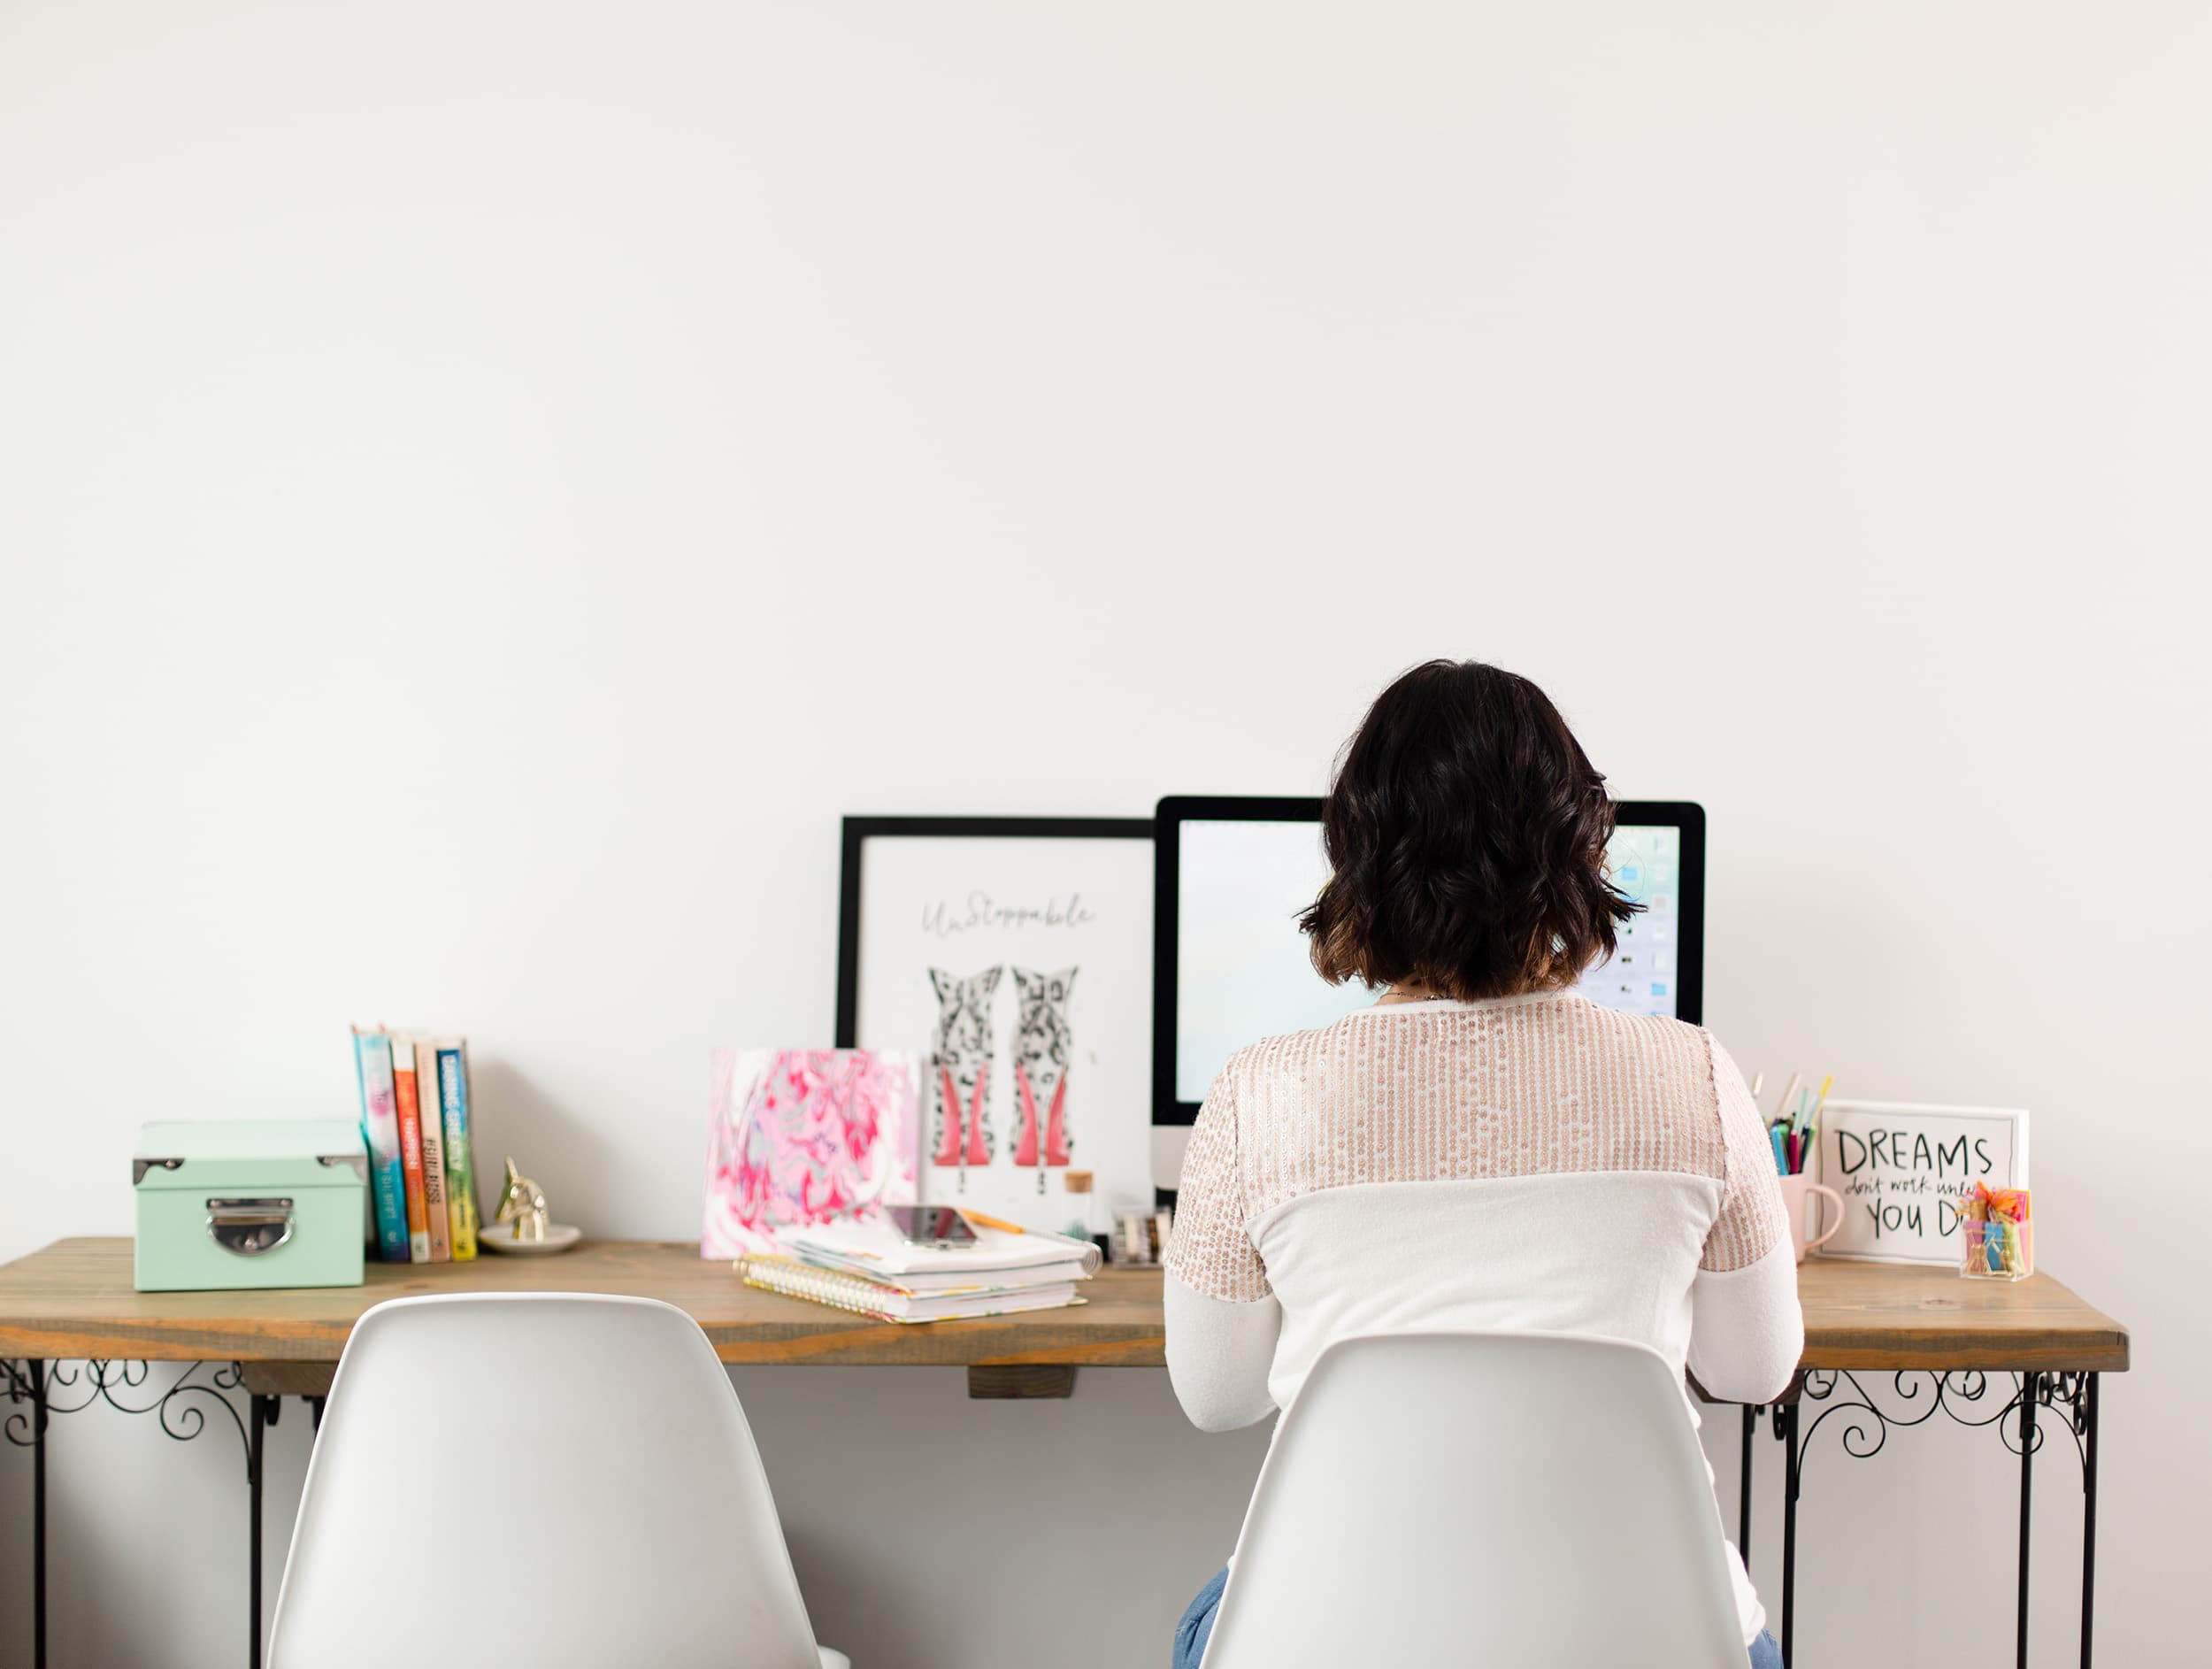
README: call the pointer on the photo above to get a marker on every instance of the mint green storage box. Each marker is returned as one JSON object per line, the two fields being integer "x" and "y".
{"x": 234, "y": 1202}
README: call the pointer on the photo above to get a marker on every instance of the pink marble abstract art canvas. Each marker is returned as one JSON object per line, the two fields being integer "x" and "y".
{"x": 803, "y": 1135}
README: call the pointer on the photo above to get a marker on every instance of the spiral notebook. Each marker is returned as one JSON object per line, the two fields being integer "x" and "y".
{"x": 887, "y": 1302}
{"x": 868, "y": 1245}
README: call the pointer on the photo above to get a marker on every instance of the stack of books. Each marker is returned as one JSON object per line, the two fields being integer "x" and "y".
{"x": 422, "y": 1159}
{"x": 863, "y": 1265}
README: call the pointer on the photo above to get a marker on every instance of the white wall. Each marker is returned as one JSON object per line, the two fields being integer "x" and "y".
{"x": 483, "y": 488}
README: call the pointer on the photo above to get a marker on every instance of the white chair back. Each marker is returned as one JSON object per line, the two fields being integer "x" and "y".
{"x": 1525, "y": 1501}
{"x": 547, "y": 1479}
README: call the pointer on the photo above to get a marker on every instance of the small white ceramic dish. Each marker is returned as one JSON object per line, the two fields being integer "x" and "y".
{"x": 500, "y": 1237}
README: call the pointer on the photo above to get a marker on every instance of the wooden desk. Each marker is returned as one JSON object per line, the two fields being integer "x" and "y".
{"x": 2020, "y": 1358}
{"x": 73, "y": 1300}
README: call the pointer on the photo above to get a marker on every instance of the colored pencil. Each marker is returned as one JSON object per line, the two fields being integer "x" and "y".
{"x": 1789, "y": 1093}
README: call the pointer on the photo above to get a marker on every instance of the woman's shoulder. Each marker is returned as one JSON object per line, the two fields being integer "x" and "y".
{"x": 1651, "y": 1045}
{"x": 1658, "y": 1042}
{"x": 1662, "y": 1031}
{"x": 1283, "y": 1050}
{"x": 1265, "y": 1070}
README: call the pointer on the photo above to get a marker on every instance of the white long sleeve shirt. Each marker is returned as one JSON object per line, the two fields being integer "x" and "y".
{"x": 1533, "y": 1164}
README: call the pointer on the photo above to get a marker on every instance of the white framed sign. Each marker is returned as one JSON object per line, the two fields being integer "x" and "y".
{"x": 1901, "y": 1167}
{"x": 1015, "y": 954}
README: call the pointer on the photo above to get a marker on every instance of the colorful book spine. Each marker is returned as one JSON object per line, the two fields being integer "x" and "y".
{"x": 432, "y": 1151}
{"x": 460, "y": 1150}
{"x": 411, "y": 1147}
{"x": 380, "y": 1133}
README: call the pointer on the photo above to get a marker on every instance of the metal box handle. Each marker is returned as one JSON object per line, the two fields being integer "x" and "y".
{"x": 249, "y": 1227}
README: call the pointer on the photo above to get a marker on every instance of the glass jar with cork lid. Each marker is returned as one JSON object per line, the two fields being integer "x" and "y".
{"x": 1087, "y": 1216}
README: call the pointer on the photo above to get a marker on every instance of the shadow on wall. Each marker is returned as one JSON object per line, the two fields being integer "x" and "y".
{"x": 552, "y": 1141}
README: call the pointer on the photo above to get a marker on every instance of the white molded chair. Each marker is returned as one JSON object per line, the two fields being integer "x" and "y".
{"x": 1525, "y": 1501}
{"x": 548, "y": 1479}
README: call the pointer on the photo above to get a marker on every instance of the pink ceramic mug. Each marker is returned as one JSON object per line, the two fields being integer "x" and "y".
{"x": 1795, "y": 1188}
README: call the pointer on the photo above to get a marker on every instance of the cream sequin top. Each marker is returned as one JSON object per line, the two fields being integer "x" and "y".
{"x": 1527, "y": 1163}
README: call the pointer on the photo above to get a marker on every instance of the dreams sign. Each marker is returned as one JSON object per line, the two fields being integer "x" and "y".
{"x": 1900, "y": 1170}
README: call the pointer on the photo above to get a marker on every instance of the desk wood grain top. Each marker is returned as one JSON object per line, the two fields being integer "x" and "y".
{"x": 74, "y": 1299}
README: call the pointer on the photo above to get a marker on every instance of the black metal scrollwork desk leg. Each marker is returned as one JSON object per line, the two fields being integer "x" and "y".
{"x": 1743, "y": 1485}
{"x": 36, "y": 1374}
{"x": 2088, "y": 1509}
{"x": 2029, "y": 1385}
{"x": 181, "y": 1412}
{"x": 38, "y": 1514}
{"x": 1970, "y": 1399}
{"x": 1786, "y": 1417}
{"x": 261, "y": 1414}
{"x": 29, "y": 1383}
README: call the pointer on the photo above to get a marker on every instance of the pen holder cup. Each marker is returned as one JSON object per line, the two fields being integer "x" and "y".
{"x": 1997, "y": 1251}
{"x": 1794, "y": 1189}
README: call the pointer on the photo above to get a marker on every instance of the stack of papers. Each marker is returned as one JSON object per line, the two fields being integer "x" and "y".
{"x": 863, "y": 1265}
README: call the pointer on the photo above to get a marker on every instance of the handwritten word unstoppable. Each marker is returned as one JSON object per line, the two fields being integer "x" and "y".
{"x": 944, "y": 919}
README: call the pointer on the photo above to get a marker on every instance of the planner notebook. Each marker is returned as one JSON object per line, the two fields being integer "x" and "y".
{"x": 872, "y": 1247}
{"x": 863, "y": 1297}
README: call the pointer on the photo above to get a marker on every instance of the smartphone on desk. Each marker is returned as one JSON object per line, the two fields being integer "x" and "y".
{"x": 930, "y": 1226}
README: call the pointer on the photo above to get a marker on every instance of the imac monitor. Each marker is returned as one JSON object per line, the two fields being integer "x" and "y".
{"x": 1232, "y": 967}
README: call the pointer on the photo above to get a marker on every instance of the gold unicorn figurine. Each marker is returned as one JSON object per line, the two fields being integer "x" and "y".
{"x": 522, "y": 1202}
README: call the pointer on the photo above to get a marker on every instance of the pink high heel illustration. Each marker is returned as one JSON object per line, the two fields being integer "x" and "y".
{"x": 1056, "y": 1127}
{"x": 979, "y": 1141}
{"x": 949, "y": 1119}
{"x": 963, "y": 1064}
{"x": 1043, "y": 1049}
{"x": 1055, "y": 1130}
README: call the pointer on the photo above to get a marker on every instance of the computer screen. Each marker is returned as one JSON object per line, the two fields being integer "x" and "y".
{"x": 1239, "y": 970}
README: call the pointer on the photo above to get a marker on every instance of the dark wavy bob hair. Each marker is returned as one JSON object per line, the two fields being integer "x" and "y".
{"x": 1466, "y": 835}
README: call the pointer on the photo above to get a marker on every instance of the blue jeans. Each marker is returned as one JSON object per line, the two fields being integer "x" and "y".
{"x": 1197, "y": 1627}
